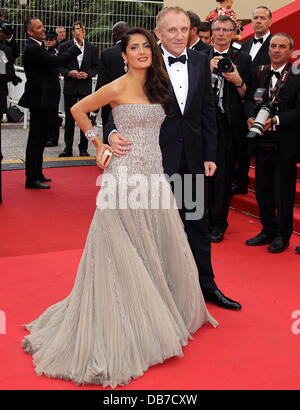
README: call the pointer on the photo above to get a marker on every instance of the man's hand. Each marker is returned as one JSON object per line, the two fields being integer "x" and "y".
{"x": 119, "y": 143}
{"x": 73, "y": 74}
{"x": 250, "y": 122}
{"x": 269, "y": 123}
{"x": 82, "y": 75}
{"x": 233, "y": 77}
{"x": 209, "y": 168}
{"x": 214, "y": 63}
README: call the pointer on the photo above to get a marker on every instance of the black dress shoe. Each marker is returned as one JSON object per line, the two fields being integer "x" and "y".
{"x": 84, "y": 154}
{"x": 216, "y": 236}
{"x": 44, "y": 179}
{"x": 217, "y": 297}
{"x": 51, "y": 144}
{"x": 260, "y": 239}
{"x": 236, "y": 190}
{"x": 297, "y": 249}
{"x": 66, "y": 153}
{"x": 36, "y": 185}
{"x": 278, "y": 245}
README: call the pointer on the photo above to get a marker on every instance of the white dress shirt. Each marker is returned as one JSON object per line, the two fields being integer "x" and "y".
{"x": 81, "y": 48}
{"x": 256, "y": 47}
{"x": 178, "y": 74}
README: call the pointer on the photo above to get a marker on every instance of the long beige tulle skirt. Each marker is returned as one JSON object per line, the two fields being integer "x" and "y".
{"x": 135, "y": 302}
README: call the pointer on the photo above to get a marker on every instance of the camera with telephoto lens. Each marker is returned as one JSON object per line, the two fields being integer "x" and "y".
{"x": 6, "y": 27}
{"x": 266, "y": 108}
{"x": 225, "y": 63}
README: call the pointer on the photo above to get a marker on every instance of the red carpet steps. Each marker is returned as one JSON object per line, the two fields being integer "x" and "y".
{"x": 247, "y": 203}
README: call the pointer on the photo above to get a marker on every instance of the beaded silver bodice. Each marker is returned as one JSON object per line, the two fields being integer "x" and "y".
{"x": 140, "y": 124}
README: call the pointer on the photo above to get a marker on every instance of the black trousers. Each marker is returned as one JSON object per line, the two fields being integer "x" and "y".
{"x": 53, "y": 132}
{"x": 275, "y": 185}
{"x": 40, "y": 122}
{"x": 70, "y": 100}
{"x": 219, "y": 186}
{"x": 198, "y": 232}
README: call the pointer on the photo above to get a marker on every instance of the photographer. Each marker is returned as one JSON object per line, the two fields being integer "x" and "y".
{"x": 231, "y": 76}
{"x": 277, "y": 148}
{"x": 7, "y": 35}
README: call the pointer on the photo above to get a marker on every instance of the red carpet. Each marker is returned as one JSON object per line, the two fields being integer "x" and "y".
{"x": 42, "y": 235}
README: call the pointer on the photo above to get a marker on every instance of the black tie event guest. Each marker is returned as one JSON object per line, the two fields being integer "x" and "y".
{"x": 258, "y": 48}
{"x": 78, "y": 76}
{"x": 61, "y": 36}
{"x": 111, "y": 64}
{"x": 195, "y": 41}
{"x": 229, "y": 90}
{"x": 188, "y": 139}
{"x": 277, "y": 149}
{"x": 136, "y": 299}
{"x": 40, "y": 96}
{"x": 7, "y": 73}
{"x": 205, "y": 32}
{"x": 53, "y": 132}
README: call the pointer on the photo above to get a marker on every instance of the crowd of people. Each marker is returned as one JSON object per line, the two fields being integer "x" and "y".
{"x": 189, "y": 100}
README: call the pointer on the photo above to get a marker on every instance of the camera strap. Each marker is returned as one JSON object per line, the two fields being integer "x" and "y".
{"x": 281, "y": 82}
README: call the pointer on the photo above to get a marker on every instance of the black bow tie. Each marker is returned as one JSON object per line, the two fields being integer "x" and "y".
{"x": 258, "y": 40}
{"x": 276, "y": 73}
{"x": 181, "y": 59}
{"x": 216, "y": 54}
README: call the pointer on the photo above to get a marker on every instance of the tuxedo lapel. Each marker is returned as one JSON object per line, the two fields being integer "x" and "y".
{"x": 194, "y": 70}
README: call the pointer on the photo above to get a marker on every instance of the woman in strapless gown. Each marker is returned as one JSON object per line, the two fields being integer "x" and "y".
{"x": 136, "y": 299}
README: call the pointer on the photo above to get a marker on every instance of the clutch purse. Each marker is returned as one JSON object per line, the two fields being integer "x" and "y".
{"x": 106, "y": 157}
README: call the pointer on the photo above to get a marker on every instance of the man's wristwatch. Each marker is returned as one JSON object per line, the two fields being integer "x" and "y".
{"x": 241, "y": 85}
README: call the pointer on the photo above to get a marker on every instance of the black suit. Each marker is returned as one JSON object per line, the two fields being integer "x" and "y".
{"x": 186, "y": 141}
{"x": 276, "y": 155}
{"x": 111, "y": 67}
{"x": 76, "y": 89}
{"x": 232, "y": 131}
{"x": 262, "y": 58}
{"x": 4, "y": 79}
{"x": 41, "y": 92}
{"x": 201, "y": 46}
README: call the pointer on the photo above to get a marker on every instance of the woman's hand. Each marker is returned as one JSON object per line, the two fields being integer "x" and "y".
{"x": 99, "y": 152}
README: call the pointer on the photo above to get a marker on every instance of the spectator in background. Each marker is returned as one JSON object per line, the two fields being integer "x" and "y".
{"x": 258, "y": 48}
{"x": 205, "y": 32}
{"x": 7, "y": 35}
{"x": 61, "y": 35}
{"x": 111, "y": 64}
{"x": 195, "y": 41}
{"x": 53, "y": 131}
{"x": 224, "y": 9}
{"x": 78, "y": 74}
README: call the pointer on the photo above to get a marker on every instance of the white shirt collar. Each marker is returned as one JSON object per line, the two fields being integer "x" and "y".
{"x": 75, "y": 42}
{"x": 264, "y": 37}
{"x": 279, "y": 70}
{"x": 221, "y": 52}
{"x": 166, "y": 54}
{"x": 39, "y": 42}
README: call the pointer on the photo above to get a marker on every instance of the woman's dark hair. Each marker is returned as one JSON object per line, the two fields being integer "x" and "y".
{"x": 157, "y": 80}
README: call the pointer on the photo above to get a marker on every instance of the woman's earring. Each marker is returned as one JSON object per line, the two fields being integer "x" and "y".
{"x": 125, "y": 66}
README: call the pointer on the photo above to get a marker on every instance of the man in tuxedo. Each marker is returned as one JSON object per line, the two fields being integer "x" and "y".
{"x": 258, "y": 48}
{"x": 277, "y": 150}
{"x": 78, "y": 74}
{"x": 7, "y": 73}
{"x": 187, "y": 139}
{"x": 195, "y": 41}
{"x": 40, "y": 96}
{"x": 111, "y": 64}
{"x": 229, "y": 90}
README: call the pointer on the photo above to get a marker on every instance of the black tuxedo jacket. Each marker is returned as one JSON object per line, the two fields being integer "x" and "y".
{"x": 201, "y": 46}
{"x": 288, "y": 131}
{"x": 233, "y": 103}
{"x": 111, "y": 67}
{"x": 193, "y": 133}
{"x": 6, "y": 78}
{"x": 262, "y": 57}
{"x": 90, "y": 65}
{"x": 42, "y": 84}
